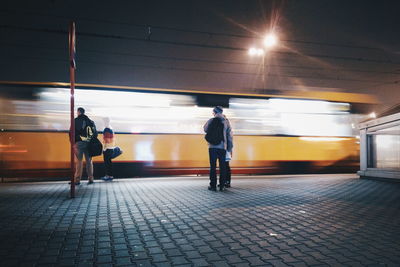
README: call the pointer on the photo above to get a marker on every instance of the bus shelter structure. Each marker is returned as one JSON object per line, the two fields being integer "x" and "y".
{"x": 380, "y": 148}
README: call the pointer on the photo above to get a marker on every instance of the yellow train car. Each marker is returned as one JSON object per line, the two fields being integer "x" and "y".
{"x": 160, "y": 130}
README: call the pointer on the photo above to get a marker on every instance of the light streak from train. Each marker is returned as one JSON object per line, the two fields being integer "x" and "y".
{"x": 144, "y": 112}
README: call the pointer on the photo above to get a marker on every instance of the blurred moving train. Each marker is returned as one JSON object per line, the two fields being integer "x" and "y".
{"x": 161, "y": 130}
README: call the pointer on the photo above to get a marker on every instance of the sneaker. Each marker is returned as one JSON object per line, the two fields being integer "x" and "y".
{"x": 227, "y": 185}
{"x": 221, "y": 188}
{"x": 212, "y": 188}
{"x": 77, "y": 183}
{"x": 107, "y": 178}
{"x": 90, "y": 182}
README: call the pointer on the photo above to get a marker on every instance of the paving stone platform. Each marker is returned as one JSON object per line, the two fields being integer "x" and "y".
{"x": 314, "y": 220}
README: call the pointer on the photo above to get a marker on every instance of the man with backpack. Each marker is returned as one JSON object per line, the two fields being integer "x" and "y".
{"x": 85, "y": 130}
{"x": 219, "y": 138}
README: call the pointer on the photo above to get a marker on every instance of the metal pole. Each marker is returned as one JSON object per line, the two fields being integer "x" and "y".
{"x": 71, "y": 38}
{"x": 263, "y": 71}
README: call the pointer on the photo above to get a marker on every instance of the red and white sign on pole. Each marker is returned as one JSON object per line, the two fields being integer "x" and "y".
{"x": 72, "y": 67}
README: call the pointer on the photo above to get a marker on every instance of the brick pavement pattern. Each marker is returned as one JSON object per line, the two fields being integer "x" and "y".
{"x": 319, "y": 220}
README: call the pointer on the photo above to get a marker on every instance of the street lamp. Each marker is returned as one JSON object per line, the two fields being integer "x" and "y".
{"x": 270, "y": 40}
{"x": 259, "y": 52}
{"x": 254, "y": 51}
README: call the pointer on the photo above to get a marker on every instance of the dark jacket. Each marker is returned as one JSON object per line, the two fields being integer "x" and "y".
{"x": 227, "y": 143}
{"x": 80, "y": 128}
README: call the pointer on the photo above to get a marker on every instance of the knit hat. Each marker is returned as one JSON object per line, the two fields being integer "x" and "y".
{"x": 218, "y": 109}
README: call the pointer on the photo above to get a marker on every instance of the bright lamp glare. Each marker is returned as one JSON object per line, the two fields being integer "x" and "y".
{"x": 270, "y": 40}
{"x": 252, "y": 51}
{"x": 256, "y": 51}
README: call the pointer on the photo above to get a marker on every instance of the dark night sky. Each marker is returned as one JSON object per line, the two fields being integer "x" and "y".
{"x": 350, "y": 46}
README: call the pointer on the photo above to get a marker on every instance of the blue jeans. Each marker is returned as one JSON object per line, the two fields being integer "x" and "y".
{"x": 217, "y": 154}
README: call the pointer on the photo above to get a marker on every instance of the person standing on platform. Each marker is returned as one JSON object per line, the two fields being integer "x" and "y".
{"x": 219, "y": 138}
{"x": 228, "y": 158}
{"x": 85, "y": 130}
{"x": 108, "y": 149}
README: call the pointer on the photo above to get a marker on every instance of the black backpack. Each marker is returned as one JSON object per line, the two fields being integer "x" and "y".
{"x": 88, "y": 130}
{"x": 215, "y": 132}
{"x": 95, "y": 147}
